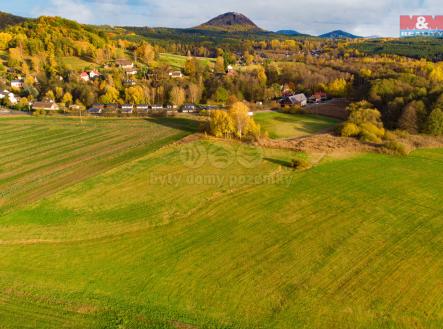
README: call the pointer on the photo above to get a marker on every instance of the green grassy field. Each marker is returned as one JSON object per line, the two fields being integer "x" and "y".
{"x": 76, "y": 63}
{"x": 111, "y": 225}
{"x": 282, "y": 125}
{"x": 178, "y": 61}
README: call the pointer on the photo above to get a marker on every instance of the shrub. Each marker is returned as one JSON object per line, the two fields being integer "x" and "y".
{"x": 39, "y": 112}
{"x": 350, "y": 129}
{"x": 401, "y": 133}
{"x": 396, "y": 147}
{"x": 369, "y": 137}
{"x": 300, "y": 164}
{"x": 372, "y": 129}
{"x": 389, "y": 135}
{"x": 294, "y": 109}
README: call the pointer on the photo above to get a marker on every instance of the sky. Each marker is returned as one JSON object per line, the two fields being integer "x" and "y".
{"x": 361, "y": 17}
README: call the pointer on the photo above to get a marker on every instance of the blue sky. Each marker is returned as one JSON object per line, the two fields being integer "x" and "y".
{"x": 373, "y": 17}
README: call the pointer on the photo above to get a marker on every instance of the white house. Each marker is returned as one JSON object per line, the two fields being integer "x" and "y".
{"x": 5, "y": 94}
{"x": 127, "y": 108}
{"x": 176, "y": 74}
{"x": 131, "y": 71}
{"x": 94, "y": 74}
{"x": 299, "y": 99}
{"x": 46, "y": 106}
{"x": 18, "y": 84}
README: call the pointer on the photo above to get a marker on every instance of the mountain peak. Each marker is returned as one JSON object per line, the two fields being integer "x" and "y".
{"x": 230, "y": 22}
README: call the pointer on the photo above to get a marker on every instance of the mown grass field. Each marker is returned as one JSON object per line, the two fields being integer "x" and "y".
{"x": 178, "y": 61}
{"x": 76, "y": 63}
{"x": 111, "y": 225}
{"x": 283, "y": 125}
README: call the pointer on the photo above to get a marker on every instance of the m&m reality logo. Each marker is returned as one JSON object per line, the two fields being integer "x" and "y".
{"x": 425, "y": 25}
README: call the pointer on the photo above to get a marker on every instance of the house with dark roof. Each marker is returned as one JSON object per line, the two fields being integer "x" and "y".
{"x": 95, "y": 110}
{"x": 299, "y": 99}
{"x": 188, "y": 108}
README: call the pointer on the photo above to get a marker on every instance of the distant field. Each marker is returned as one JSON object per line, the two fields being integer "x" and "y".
{"x": 282, "y": 125}
{"x": 76, "y": 63}
{"x": 178, "y": 61}
{"x": 110, "y": 225}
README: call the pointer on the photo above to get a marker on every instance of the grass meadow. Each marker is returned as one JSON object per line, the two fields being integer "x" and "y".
{"x": 113, "y": 224}
{"x": 284, "y": 125}
{"x": 76, "y": 63}
{"x": 178, "y": 62}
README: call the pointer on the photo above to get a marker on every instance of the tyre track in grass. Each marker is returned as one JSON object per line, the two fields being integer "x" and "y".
{"x": 74, "y": 171}
{"x": 66, "y": 146}
{"x": 33, "y": 168}
{"x": 51, "y": 143}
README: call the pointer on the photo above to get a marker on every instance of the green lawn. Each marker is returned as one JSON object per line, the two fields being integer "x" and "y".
{"x": 282, "y": 125}
{"x": 178, "y": 61}
{"x": 76, "y": 63}
{"x": 110, "y": 225}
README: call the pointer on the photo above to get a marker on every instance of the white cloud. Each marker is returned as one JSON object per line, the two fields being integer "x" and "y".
{"x": 72, "y": 9}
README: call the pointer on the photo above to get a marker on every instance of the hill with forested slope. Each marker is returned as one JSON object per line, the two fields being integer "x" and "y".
{"x": 339, "y": 34}
{"x": 43, "y": 42}
{"x": 9, "y": 19}
{"x": 289, "y": 32}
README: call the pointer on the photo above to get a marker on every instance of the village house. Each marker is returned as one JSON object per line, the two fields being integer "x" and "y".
{"x": 9, "y": 96}
{"x": 124, "y": 64}
{"x": 142, "y": 108}
{"x": 75, "y": 107}
{"x": 299, "y": 99}
{"x": 157, "y": 107}
{"x": 95, "y": 110}
{"x": 17, "y": 84}
{"x": 318, "y": 97}
{"x": 98, "y": 106}
{"x": 129, "y": 82}
{"x": 176, "y": 74}
{"x": 127, "y": 108}
{"x": 45, "y": 106}
{"x": 131, "y": 71}
{"x": 188, "y": 108}
{"x": 94, "y": 74}
{"x": 84, "y": 76}
{"x": 111, "y": 108}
